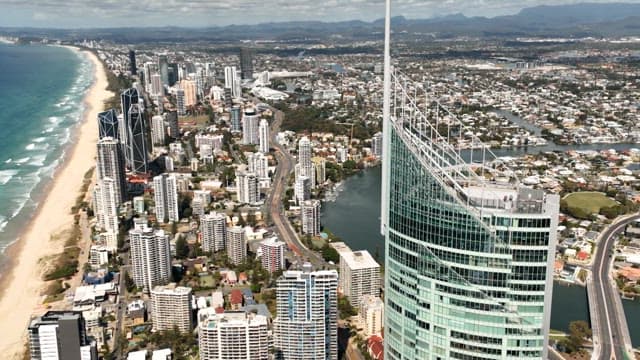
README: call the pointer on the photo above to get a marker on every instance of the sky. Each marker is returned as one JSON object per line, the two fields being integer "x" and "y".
{"x": 201, "y": 13}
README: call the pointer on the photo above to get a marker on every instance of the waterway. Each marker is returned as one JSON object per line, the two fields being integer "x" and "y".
{"x": 355, "y": 217}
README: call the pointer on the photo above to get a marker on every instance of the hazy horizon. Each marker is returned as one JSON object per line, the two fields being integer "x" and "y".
{"x": 71, "y": 14}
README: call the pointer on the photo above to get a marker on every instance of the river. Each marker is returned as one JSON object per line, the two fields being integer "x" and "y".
{"x": 355, "y": 218}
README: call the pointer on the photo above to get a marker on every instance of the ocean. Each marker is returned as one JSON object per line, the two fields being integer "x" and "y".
{"x": 41, "y": 100}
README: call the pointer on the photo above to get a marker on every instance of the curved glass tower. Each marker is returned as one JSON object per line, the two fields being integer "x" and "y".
{"x": 469, "y": 251}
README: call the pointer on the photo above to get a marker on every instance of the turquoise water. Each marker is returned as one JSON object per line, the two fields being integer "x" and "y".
{"x": 41, "y": 96}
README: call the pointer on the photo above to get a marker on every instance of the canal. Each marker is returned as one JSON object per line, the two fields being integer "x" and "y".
{"x": 355, "y": 217}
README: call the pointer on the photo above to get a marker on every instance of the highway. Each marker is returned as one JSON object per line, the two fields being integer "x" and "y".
{"x": 273, "y": 201}
{"x": 610, "y": 326}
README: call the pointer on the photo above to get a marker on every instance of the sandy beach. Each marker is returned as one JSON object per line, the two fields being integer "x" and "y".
{"x": 22, "y": 283}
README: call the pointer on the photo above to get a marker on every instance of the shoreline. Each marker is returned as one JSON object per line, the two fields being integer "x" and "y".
{"x": 21, "y": 282}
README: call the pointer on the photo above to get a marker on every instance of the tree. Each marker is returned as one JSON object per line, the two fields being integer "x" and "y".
{"x": 345, "y": 309}
{"x": 578, "y": 332}
{"x": 330, "y": 254}
{"x": 182, "y": 248}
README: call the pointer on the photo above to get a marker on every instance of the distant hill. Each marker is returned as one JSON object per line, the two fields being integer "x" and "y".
{"x": 576, "y": 20}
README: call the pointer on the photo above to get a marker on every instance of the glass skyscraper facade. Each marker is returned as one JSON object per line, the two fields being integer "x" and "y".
{"x": 469, "y": 259}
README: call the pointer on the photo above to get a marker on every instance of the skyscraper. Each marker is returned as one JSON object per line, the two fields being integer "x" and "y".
{"x": 307, "y": 306}
{"x": 469, "y": 261}
{"x": 248, "y": 187}
{"x": 259, "y": 165}
{"x": 138, "y": 140}
{"x": 108, "y": 124}
{"x": 246, "y": 63}
{"x": 273, "y": 254}
{"x": 302, "y": 189}
{"x": 105, "y": 206}
{"x": 306, "y": 167}
{"x": 310, "y": 213}
{"x": 127, "y": 98}
{"x": 171, "y": 308}
{"x": 214, "y": 232}
{"x": 158, "y": 130}
{"x": 376, "y": 145}
{"x": 232, "y": 335}
{"x": 174, "y": 126}
{"x": 236, "y": 119}
{"x": 60, "y": 335}
{"x": 250, "y": 124}
{"x": 190, "y": 94}
{"x": 264, "y": 136}
{"x": 236, "y": 244}
{"x": 165, "y": 193}
{"x": 150, "y": 257}
{"x": 359, "y": 275}
{"x": 157, "y": 89}
{"x": 132, "y": 62}
{"x": 181, "y": 105}
{"x": 163, "y": 65}
{"x": 110, "y": 164}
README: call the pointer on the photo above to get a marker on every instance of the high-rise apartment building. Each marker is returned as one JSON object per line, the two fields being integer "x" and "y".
{"x": 232, "y": 81}
{"x": 157, "y": 89}
{"x": 469, "y": 261}
{"x": 165, "y": 193}
{"x": 371, "y": 314}
{"x": 132, "y": 62}
{"x": 310, "y": 214}
{"x": 320, "y": 165}
{"x": 214, "y": 232}
{"x": 306, "y": 327}
{"x": 171, "y": 308}
{"x": 158, "y": 130}
{"x": 236, "y": 244}
{"x": 305, "y": 165}
{"x": 110, "y": 164}
{"x": 273, "y": 254}
{"x": 174, "y": 126}
{"x": 137, "y": 146}
{"x": 302, "y": 189}
{"x": 248, "y": 187}
{"x": 60, "y": 335}
{"x": 150, "y": 257}
{"x": 163, "y": 65}
{"x": 236, "y": 119}
{"x": 359, "y": 274}
{"x": 250, "y": 125}
{"x": 376, "y": 145}
{"x": 232, "y": 335}
{"x": 105, "y": 205}
{"x": 246, "y": 64}
{"x": 259, "y": 165}
{"x": 190, "y": 93}
{"x": 264, "y": 136}
{"x": 108, "y": 124}
{"x": 127, "y": 98}
{"x": 181, "y": 104}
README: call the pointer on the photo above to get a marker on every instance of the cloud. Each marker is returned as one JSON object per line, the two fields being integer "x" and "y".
{"x": 112, "y": 13}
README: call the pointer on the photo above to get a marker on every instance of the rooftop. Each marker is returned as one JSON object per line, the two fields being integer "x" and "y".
{"x": 358, "y": 260}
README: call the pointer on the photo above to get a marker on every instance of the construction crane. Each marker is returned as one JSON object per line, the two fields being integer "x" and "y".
{"x": 350, "y": 137}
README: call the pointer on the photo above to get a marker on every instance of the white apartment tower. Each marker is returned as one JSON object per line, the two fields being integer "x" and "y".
{"x": 232, "y": 81}
{"x": 165, "y": 192}
{"x": 304, "y": 160}
{"x": 236, "y": 244}
{"x": 232, "y": 335}
{"x": 273, "y": 254}
{"x": 110, "y": 164}
{"x": 106, "y": 210}
{"x": 150, "y": 257}
{"x": 376, "y": 145}
{"x": 307, "y": 306}
{"x": 248, "y": 187}
{"x": 190, "y": 92}
{"x": 171, "y": 307}
{"x": 310, "y": 213}
{"x": 359, "y": 275}
{"x": 250, "y": 127}
{"x": 259, "y": 165}
{"x": 264, "y": 136}
{"x": 156, "y": 85}
{"x": 214, "y": 232}
{"x": 158, "y": 130}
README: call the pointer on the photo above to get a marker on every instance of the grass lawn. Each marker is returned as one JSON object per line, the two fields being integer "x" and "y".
{"x": 591, "y": 202}
{"x": 206, "y": 281}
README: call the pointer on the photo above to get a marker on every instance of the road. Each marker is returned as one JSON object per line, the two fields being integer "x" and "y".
{"x": 612, "y": 330}
{"x": 121, "y": 306}
{"x": 274, "y": 199}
